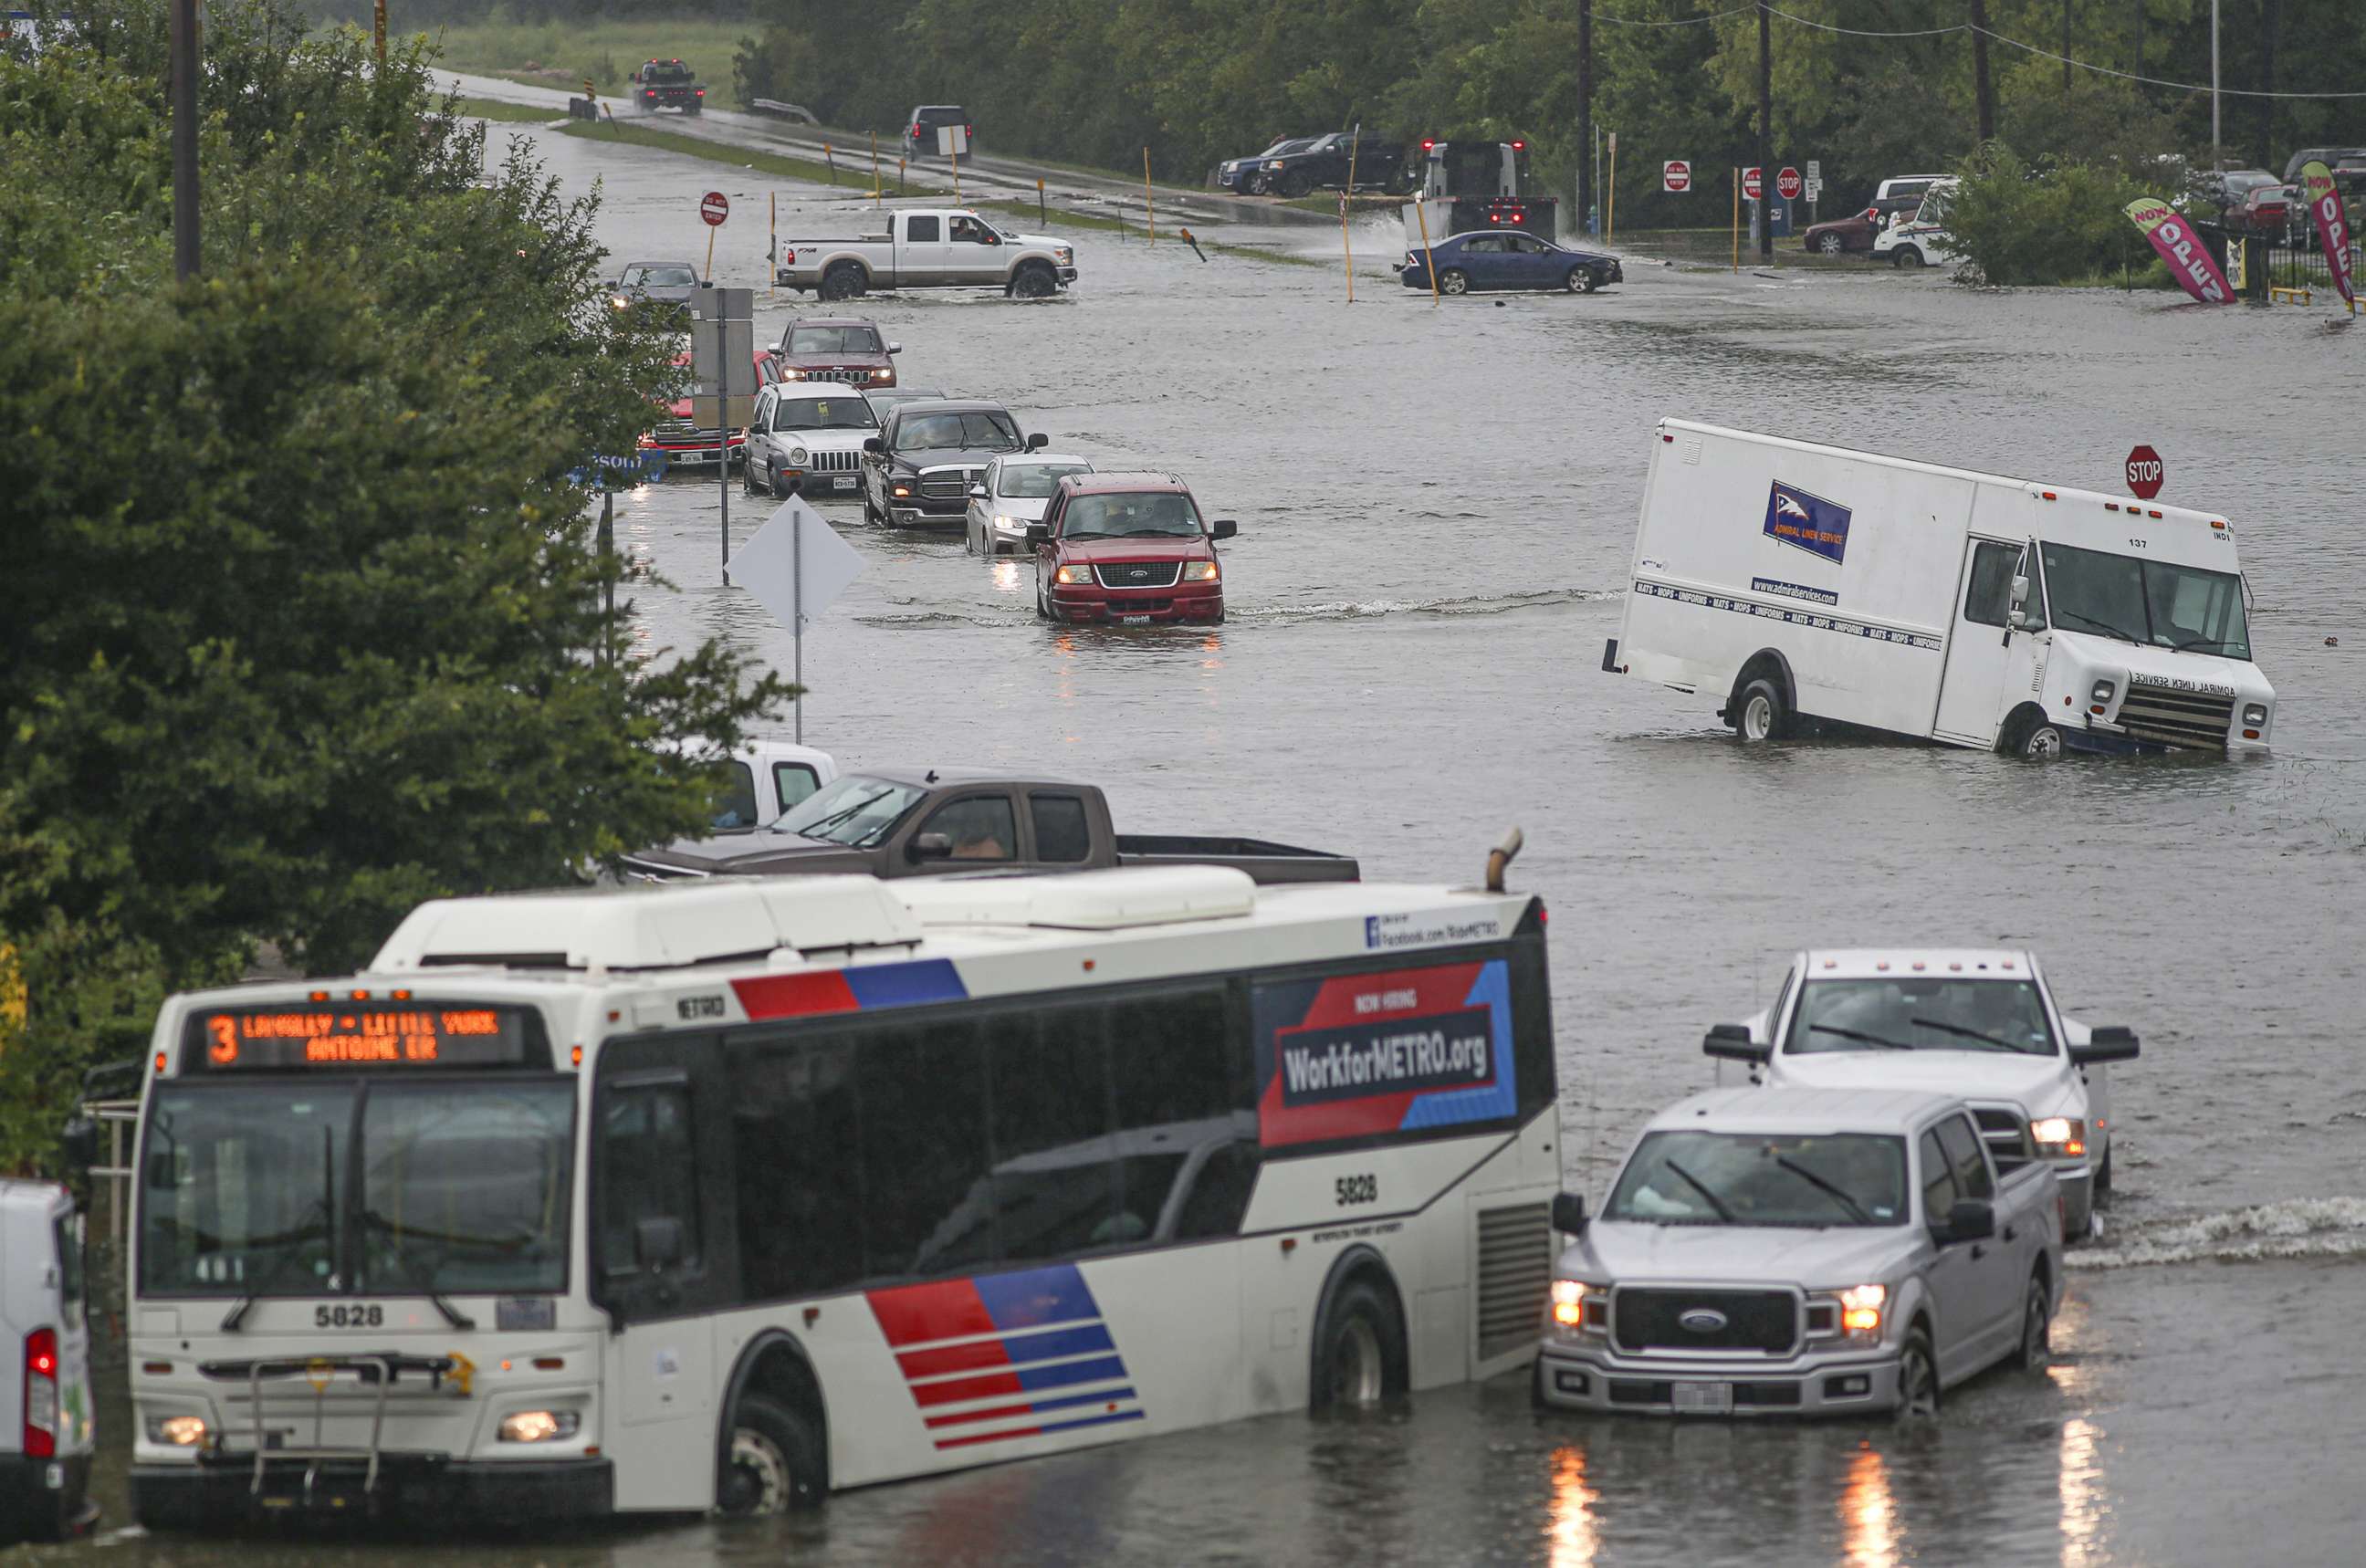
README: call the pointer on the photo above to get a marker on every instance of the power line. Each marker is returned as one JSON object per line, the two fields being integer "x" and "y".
{"x": 1861, "y": 32}
{"x": 1679, "y": 22}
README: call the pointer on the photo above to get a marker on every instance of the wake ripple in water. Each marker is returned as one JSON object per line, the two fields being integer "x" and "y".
{"x": 1484, "y": 604}
{"x": 2296, "y": 1227}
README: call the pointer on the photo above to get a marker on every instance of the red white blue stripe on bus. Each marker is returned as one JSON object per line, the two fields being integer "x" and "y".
{"x": 854, "y": 989}
{"x": 1002, "y": 1357}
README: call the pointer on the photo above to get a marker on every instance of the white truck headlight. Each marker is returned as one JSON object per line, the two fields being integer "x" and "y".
{"x": 1579, "y": 1307}
{"x": 2255, "y": 714}
{"x": 1861, "y": 1308}
{"x": 2103, "y": 691}
{"x": 2060, "y": 1137}
{"x": 1065, "y": 254}
{"x": 539, "y": 1426}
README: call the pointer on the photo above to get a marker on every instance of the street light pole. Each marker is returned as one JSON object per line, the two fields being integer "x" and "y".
{"x": 2217, "y": 158}
{"x": 1766, "y": 132}
{"x": 186, "y": 264}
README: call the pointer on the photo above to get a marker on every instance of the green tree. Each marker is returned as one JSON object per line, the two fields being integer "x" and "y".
{"x": 302, "y": 618}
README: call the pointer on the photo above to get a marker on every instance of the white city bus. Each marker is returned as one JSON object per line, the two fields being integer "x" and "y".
{"x": 719, "y": 1196}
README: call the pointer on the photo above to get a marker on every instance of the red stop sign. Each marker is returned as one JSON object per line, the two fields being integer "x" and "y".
{"x": 1750, "y": 187}
{"x": 1786, "y": 184}
{"x": 715, "y": 207}
{"x": 2144, "y": 473}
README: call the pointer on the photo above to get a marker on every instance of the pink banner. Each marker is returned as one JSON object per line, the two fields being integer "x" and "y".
{"x": 2188, "y": 262}
{"x": 2332, "y": 224}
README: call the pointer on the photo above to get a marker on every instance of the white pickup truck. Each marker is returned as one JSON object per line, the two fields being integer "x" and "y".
{"x": 932, "y": 247}
{"x": 1979, "y": 1022}
{"x": 1801, "y": 1252}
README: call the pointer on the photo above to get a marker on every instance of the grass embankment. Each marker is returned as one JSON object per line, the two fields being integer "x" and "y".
{"x": 521, "y": 114}
{"x": 848, "y": 178}
{"x": 1172, "y": 234}
{"x": 557, "y": 54}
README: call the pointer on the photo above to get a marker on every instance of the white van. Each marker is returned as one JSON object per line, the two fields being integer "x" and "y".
{"x": 1804, "y": 584}
{"x": 46, "y": 1434}
{"x": 1919, "y": 238}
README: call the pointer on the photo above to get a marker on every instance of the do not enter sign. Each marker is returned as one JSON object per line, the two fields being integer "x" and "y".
{"x": 2144, "y": 473}
{"x": 1786, "y": 184}
{"x": 1676, "y": 174}
{"x": 1752, "y": 187}
{"x": 715, "y": 207}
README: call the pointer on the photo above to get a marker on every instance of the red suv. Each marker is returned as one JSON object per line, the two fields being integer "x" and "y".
{"x": 1127, "y": 548}
{"x": 836, "y": 348}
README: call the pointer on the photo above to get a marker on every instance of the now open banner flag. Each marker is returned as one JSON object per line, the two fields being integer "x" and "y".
{"x": 2188, "y": 262}
{"x": 2332, "y": 225}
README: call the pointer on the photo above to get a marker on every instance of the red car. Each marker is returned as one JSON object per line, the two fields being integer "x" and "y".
{"x": 836, "y": 348}
{"x": 2264, "y": 209}
{"x": 678, "y": 435}
{"x": 1128, "y": 549}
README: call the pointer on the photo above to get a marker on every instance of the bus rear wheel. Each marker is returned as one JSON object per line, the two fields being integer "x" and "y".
{"x": 1360, "y": 1350}
{"x": 773, "y": 1463}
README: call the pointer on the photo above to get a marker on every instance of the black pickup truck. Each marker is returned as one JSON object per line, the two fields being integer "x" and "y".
{"x": 668, "y": 84}
{"x": 917, "y": 822}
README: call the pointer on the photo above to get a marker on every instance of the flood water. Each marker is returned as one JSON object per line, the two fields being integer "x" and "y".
{"x": 1436, "y": 509}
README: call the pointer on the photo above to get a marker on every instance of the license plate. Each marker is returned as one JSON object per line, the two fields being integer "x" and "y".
{"x": 1134, "y": 620}
{"x": 1704, "y": 1399}
{"x": 846, "y": 483}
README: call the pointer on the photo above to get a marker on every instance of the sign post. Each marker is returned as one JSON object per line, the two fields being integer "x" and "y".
{"x": 723, "y": 354}
{"x": 714, "y": 206}
{"x": 1676, "y": 174}
{"x": 1815, "y": 186}
{"x": 2144, "y": 473}
{"x": 795, "y": 565}
{"x": 1610, "y": 197}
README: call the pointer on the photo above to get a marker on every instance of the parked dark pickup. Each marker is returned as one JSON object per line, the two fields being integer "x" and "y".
{"x": 917, "y": 822}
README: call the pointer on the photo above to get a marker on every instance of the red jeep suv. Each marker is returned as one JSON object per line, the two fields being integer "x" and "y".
{"x": 1127, "y": 548}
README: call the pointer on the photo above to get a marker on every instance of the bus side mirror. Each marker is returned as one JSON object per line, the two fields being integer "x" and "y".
{"x": 1567, "y": 1214}
{"x": 80, "y": 1143}
{"x": 657, "y": 1243}
{"x": 1732, "y": 1041}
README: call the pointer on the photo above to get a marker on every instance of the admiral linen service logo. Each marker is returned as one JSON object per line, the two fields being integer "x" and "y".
{"x": 1807, "y": 522}
{"x": 1003, "y": 1357}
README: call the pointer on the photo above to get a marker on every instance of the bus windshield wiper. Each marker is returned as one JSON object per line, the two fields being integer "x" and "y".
{"x": 1804, "y": 1174}
{"x": 1858, "y": 1034}
{"x": 1697, "y": 1185}
{"x": 411, "y": 1275}
{"x": 1961, "y": 1032}
{"x": 2104, "y": 626}
{"x": 325, "y": 1206}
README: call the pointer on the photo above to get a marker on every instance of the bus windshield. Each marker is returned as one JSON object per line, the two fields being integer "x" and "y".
{"x": 355, "y": 1186}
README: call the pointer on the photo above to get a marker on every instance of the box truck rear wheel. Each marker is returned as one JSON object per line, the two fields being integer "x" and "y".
{"x": 1761, "y": 713}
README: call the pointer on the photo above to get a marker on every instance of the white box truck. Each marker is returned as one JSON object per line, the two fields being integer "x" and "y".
{"x": 1807, "y": 586}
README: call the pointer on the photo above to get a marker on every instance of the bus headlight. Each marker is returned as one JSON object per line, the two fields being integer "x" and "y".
{"x": 181, "y": 1431}
{"x": 539, "y": 1426}
{"x": 1861, "y": 1308}
{"x": 2060, "y": 1137}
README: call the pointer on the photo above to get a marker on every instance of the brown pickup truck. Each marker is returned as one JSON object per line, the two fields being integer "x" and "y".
{"x": 905, "y": 822}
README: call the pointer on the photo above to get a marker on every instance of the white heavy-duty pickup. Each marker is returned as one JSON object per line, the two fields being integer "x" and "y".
{"x": 1801, "y": 1252}
{"x": 933, "y": 247}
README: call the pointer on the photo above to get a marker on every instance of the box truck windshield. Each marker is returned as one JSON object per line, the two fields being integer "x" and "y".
{"x": 2146, "y": 601}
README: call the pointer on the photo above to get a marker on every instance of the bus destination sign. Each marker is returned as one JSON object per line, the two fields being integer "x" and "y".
{"x": 438, "y": 1034}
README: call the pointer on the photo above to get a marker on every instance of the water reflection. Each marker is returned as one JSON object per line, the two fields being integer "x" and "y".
{"x": 1004, "y": 575}
{"x": 1868, "y": 1513}
{"x": 1571, "y": 1527}
{"x": 2082, "y": 1495}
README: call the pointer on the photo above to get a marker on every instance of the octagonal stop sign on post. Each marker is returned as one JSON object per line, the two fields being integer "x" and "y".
{"x": 2144, "y": 473}
{"x": 715, "y": 207}
{"x": 1786, "y": 184}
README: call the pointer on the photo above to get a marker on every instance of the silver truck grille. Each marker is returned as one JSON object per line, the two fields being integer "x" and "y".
{"x": 1139, "y": 573}
{"x": 1515, "y": 1273}
{"x": 2175, "y": 717}
{"x": 1723, "y": 1320}
{"x": 2001, "y": 1130}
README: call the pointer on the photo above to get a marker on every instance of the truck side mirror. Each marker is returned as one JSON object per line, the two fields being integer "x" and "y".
{"x": 1969, "y": 1220}
{"x": 657, "y": 1243}
{"x": 1223, "y": 528}
{"x": 870, "y": 443}
{"x": 895, "y": 348}
{"x": 1569, "y": 1213}
{"x": 1038, "y": 533}
{"x": 1037, "y": 442}
{"x": 2107, "y": 1043}
{"x": 930, "y": 846}
{"x": 2019, "y": 591}
{"x": 80, "y": 1142}
{"x": 977, "y": 492}
{"x": 1732, "y": 1041}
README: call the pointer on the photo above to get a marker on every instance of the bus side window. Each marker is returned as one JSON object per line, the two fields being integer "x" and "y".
{"x": 1182, "y": 1078}
{"x": 1055, "y": 1175}
{"x": 648, "y": 1171}
{"x": 798, "y": 1167}
{"x": 1219, "y": 1191}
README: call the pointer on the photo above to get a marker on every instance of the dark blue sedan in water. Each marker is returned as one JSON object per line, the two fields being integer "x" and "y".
{"x": 1507, "y": 258}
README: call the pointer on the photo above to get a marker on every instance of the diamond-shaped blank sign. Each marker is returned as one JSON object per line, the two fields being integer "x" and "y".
{"x": 796, "y": 540}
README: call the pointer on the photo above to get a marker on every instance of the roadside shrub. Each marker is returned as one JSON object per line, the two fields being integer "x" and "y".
{"x": 2019, "y": 223}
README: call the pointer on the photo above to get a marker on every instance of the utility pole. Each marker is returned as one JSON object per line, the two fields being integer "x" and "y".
{"x": 2217, "y": 154}
{"x": 1983, "y": 89}
{"x": 2065, "y": 48}
{"x": 378, "y": 31}
{"x": 2138, "y": 69}
{"x": 2272, "y": 16}
{"x": 1584, "y": 113}
{"x": 1766, "y": 132}
{"x": 185, "y": 262}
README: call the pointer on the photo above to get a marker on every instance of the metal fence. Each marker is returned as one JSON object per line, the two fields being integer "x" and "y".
{"x": 2291, "y": 257}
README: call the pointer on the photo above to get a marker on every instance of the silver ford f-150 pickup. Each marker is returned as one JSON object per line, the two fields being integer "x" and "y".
{"x": 1803, "y": 1252}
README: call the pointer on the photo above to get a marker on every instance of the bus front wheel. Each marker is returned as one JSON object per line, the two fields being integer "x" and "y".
{"x": 774, "y": 1462}
{"x": 1360, "y": 1350}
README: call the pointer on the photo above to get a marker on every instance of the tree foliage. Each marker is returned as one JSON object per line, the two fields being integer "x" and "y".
{"x": 2019, "y": 224}
{"x": 302, "y": 610}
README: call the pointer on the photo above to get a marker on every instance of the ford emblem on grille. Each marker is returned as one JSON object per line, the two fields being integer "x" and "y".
{"x": 1703, "y": 1320}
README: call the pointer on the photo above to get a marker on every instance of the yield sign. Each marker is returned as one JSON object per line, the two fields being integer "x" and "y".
{"x": 1750, "y": 186}
{"x": 1676, "y": 174}
{"x": 793, "y": 544}
{"x": 1786, "y": 184}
